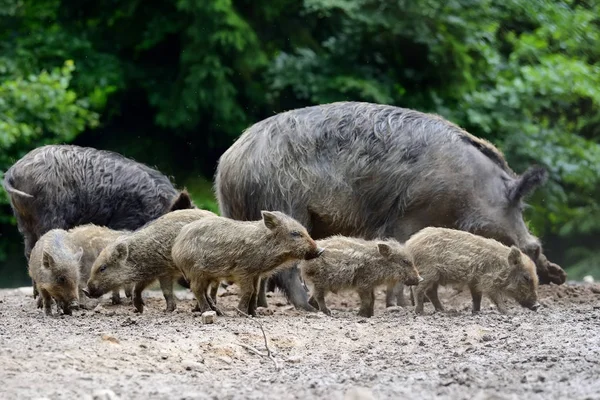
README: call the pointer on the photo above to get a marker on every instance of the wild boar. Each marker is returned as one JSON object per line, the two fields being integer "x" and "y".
{"x": 142, "y": 257}
{"x": 353, "y": 263}
{"x": 218, "y": 248}
{"x": 63, "y": 186}
{"x": 54, "y": 265}
{"x": 93, "y": 239}
{"x": 372, "y": 171}
{"x": 448, "y": 256}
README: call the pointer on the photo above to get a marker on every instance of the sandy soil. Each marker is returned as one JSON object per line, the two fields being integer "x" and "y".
{"x": 550, "y": 354}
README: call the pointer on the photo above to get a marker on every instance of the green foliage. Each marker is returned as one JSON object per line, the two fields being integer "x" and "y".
{"x": 173, "y": 83}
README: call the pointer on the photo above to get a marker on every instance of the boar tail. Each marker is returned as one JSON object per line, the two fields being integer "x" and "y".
{"x": 12, "y": 191}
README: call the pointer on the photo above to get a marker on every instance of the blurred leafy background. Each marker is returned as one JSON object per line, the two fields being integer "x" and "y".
{"x": 173, "y": 83}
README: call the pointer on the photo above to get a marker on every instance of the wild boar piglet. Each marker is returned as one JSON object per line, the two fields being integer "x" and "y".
{"x": 448, "y": 256}
{"x": 218, "y": 248}
{"x": 356, "y": 264}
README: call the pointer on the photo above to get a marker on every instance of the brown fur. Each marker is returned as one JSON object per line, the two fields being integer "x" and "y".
{"x": 448, "y": 256}
{"x": 218, "y": 248}
{"x": 361, "y": 265}
{"x": 54, "y": 266}
{"x": 93, "y": 239}
{"x": 142, "y": 257}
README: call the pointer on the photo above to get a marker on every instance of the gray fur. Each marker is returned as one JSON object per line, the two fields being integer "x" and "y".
{"x": 217, "y": 248}
{"x": 141, "y": 257}
{"x": 373, "y": 171}
{"x": 486, "y": 266}
{"x": 357, "y": 264}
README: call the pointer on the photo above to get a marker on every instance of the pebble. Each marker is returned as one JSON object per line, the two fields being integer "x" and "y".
{"x": 104, "y": 394}
{"x": 209, "y": 317}
{"x": 359, "y": 393}
{"x": 487, "y": 338}
{"x": 225, "y": 359}
{"x": 192, "y": 365}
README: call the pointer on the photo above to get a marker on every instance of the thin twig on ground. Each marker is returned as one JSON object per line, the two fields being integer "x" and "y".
{"x": 269, "y": 353}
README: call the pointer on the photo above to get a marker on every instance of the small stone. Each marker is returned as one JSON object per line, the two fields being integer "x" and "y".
{"x": 143, "y": 346}
{"x": 104, "y": 394}
{"x": 487, "y": 338}
{"x": 421, "y": 343}
{"x": 190, "y": 365}
{"x": 294, "y": 359}
{"x": 359, "y": 393}
{"x": 209, "y": 317}
{"x": 317, "y": 315}
{"x": 588, "y": 279}
{"x": 394, "y": 309}
{"x": 225, "y": 359}
{"x": 111, "y": 339}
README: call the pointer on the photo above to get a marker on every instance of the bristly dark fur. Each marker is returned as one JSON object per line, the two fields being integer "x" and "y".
{"x": 369, "y": 170}
{"x": 63, "y": 186}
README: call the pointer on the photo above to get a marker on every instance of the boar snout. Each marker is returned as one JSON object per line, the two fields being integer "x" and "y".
{"x": 91, "y": 292}
{"x": 535, "y": 306}
{"x": 413, "y": 281}
{"x": 314, "y": 254}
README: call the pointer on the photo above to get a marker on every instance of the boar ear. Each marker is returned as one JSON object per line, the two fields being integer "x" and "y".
{"x": 182, "y": 202}
{"x": 271, "y": 220}
{"x": 121, "y": 251}
{"x": 79, "y": 254}
{"x": 384, "y": 249}
{"x": 47, "y": 260}
{"x": 514, "y": 257}
{"x": 526, "y": 183}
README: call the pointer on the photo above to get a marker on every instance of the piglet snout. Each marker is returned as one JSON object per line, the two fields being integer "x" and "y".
{"x": 314, "y": 254}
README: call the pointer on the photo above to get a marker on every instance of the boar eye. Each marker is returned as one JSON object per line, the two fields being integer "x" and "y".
{"x": 102, "y": 268}
{"x": 296, "y": 234}
{"x": 61, "y": 280}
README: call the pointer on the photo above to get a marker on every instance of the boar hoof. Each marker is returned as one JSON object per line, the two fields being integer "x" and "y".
{"x": 116, "y": 299}
{"x": 40, "y": 302}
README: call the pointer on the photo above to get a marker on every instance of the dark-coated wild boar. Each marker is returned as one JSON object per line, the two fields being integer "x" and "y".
{"x": 54, "y": 265}
{"x": 63, "y": 186}
{"x": 448, "y": 256}
{"x": 141, "y": 257}
{"x": 372, "y": 171}
{"x": 356, "y": 264}
{"x": 217, "y": 248}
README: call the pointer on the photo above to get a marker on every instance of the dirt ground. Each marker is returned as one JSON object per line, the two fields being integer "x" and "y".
{"x": 111, "y": 352}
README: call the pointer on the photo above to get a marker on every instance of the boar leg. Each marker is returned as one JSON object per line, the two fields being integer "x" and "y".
{"x": 116, "y": 297}
{"x": 246, "y": 291}
{"x": 319, "y": 296}
{"x": 199, "y": 285}
{"x": 390, "y": 295}
{"x": 138, "y": 302}
{"x": 419, "y": 293}
{"x": 367, "y": 303}
{"x": 40, "y": 302}
{"x": 66, "y": 307}
{"x": 254, "y": 297}
{"x": 261, "y": 300}
{"x": 432, "y": 294}
{"x": 128, "y": 289}
{"x": 166, "y": 285}
{"x": 47, "y": 300}
{"x": 476, "y": 295}
{"x": 499, "y": 302}
{"x": 214, "y": 289}
{"x": 313, "y": 302}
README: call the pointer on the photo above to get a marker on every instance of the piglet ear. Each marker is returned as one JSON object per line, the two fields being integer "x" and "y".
{"x": 79, "y": 254}
{"x": 47, "y": 260}
{"x": 384, "y": 249}
{"x": 121, "y": 251}
{"x": 527, "y": 183}
{"x": 514, "y": 256}
{"x": 270, "y": 220}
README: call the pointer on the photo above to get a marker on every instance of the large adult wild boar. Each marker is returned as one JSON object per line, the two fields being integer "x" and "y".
{"x": 63, "y": 186}
{"x": 370, "y": 170}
